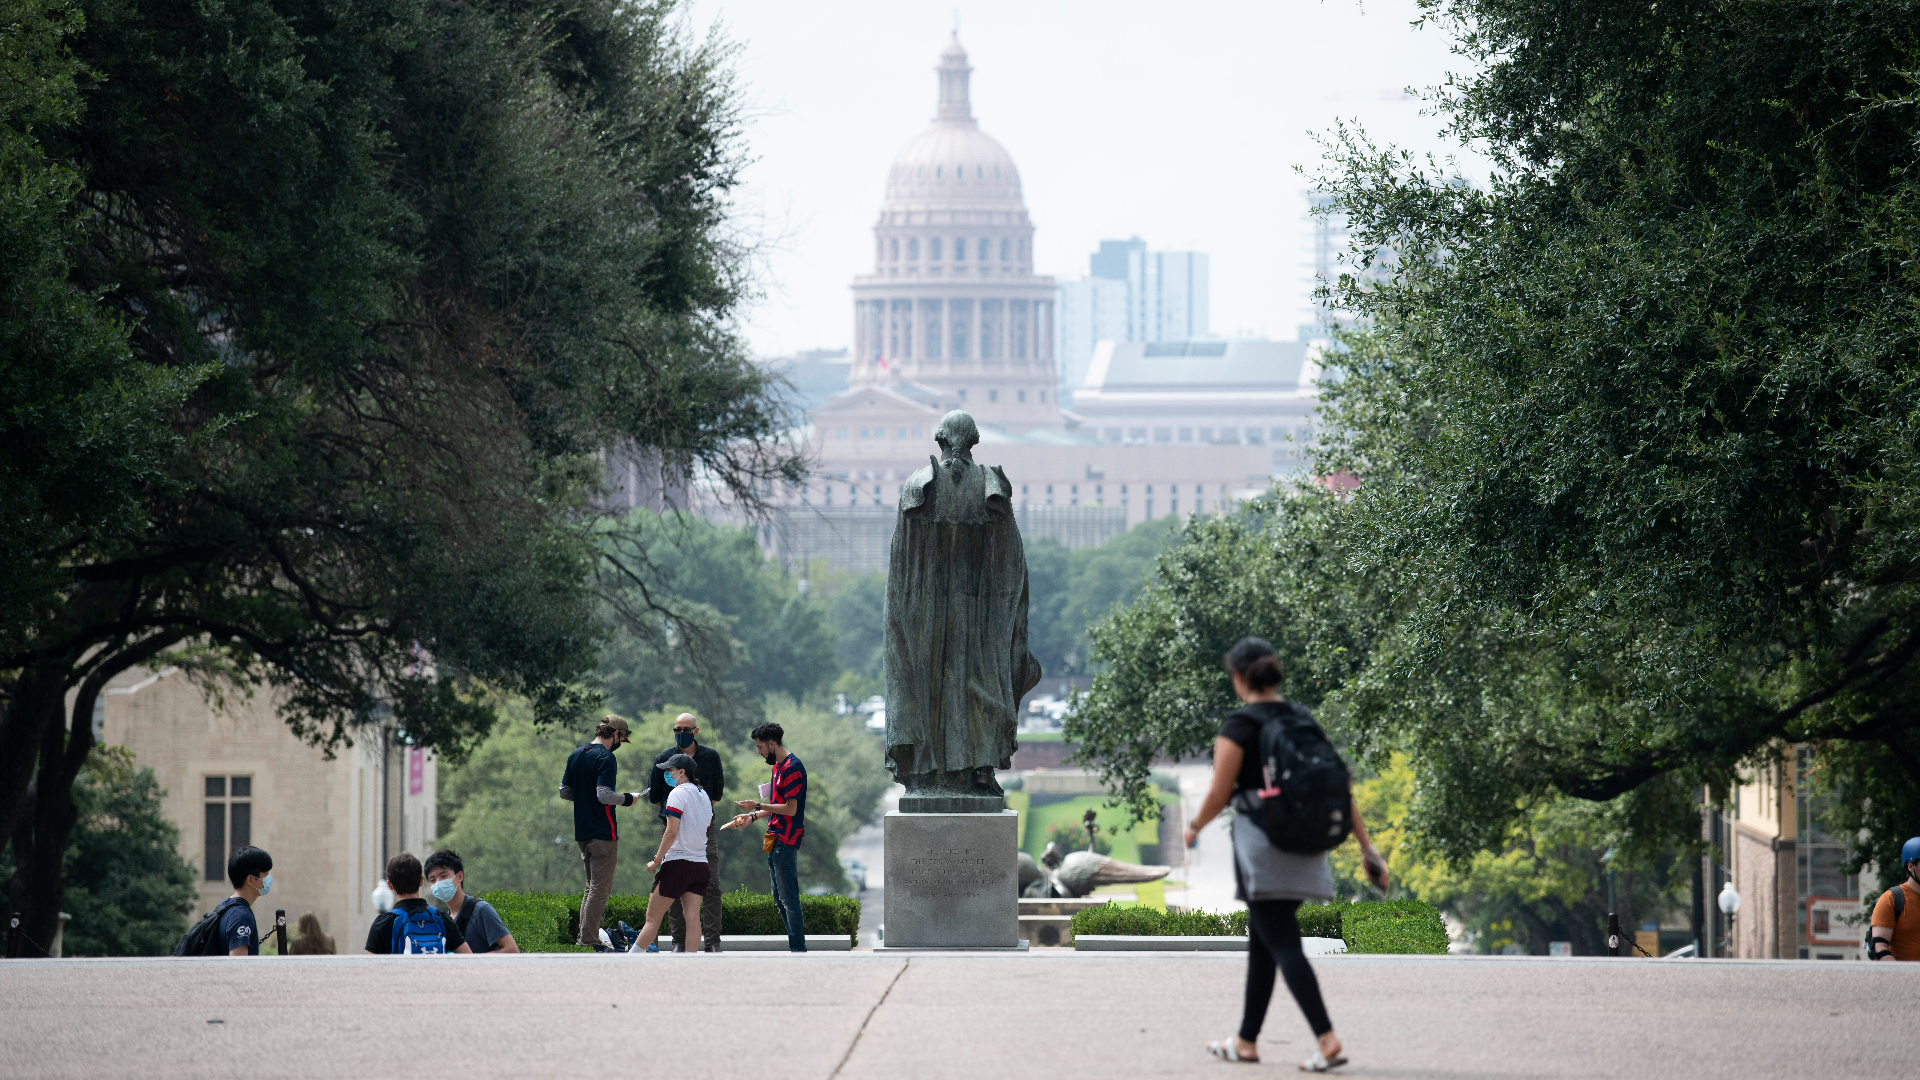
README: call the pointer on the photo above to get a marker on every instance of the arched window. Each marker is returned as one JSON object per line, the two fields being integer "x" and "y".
{"x": 937, "y": 169}
{"x": 983, "y": 249}
{"x": 959, "y": 249}
{"x": 913, "y": 249}
{"x": 1005, "y": 244}
{"x": 979, "y": 172}
{"x": 894, "y": 247}
{"x": 934, "y": 249}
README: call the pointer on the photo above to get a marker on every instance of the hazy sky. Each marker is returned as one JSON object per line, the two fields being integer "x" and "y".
{"x": 1180, "y": 123}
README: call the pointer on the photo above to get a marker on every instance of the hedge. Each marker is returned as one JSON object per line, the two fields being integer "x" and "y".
{"x": 1371, "y": 926}
{"x": 550, "y": 922}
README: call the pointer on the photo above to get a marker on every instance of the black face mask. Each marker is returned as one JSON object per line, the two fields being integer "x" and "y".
{"x": 770, "y": 760}
{"x": 683, "y": 738}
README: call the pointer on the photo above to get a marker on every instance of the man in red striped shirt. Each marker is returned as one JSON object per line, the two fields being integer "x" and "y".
{"x": 785, "y": 812}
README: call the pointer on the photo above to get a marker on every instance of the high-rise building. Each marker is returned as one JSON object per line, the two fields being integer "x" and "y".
{"x": 1130, "y": 294}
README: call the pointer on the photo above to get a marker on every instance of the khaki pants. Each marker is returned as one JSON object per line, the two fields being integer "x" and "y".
{"x": 599, "y": 857}
{"x": 709, "y": 903}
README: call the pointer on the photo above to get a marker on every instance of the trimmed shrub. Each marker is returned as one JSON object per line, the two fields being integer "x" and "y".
{"x": 549, "y": 922}
{"x": 1394, "y": 926}
{"x": 1321, "y": 920}
{"x": 1371, "y": 926}
{"x": 1110, "y": 918}
{"x": 539, "y": 922}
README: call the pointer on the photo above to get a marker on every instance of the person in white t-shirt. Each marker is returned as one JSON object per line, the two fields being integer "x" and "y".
{"x": 680, "y": 867}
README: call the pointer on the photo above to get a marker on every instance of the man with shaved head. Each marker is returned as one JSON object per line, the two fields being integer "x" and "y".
{"x": 708, "y": 774}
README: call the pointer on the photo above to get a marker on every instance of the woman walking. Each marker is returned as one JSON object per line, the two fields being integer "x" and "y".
{"x": 1271, "y": 881}
{"x": 680, "y": 866}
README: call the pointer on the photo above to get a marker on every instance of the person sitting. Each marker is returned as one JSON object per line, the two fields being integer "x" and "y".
{"x": 680, "y": 865}
{"x": 311, "y": 942}
{"x": 479, "y": 925}
{"x": 413, "y": 926}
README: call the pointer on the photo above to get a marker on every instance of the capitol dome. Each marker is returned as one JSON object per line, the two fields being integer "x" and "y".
{"x": 953, "y": 163}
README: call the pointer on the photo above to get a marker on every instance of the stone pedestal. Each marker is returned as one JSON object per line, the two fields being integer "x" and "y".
{"x": 953, "y": 881}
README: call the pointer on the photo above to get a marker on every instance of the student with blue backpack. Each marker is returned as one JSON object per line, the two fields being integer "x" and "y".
{"x": 1293, "y": 802}
{"x": 413, "y": 926}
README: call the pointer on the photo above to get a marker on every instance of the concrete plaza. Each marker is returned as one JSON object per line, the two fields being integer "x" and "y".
{"x": 1052, "y": 1014}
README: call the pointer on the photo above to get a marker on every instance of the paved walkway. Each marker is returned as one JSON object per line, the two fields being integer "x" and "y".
{"x": 1055, "y": 1015}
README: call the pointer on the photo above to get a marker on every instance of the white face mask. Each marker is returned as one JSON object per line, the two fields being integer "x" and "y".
{"x": 266, "y": 884}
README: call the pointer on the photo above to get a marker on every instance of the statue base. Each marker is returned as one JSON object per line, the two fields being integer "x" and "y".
{"x": 952, "y": 803}
{"x": 953, "y": 880}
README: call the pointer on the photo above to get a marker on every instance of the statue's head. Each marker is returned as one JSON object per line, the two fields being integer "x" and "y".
{"x": 956, "y": 434}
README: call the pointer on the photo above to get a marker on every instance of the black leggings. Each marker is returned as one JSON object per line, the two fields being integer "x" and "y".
{"x": 1273, "y": 939}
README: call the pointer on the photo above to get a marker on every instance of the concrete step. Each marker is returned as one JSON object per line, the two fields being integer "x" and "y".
{"x": 778, "y": 943}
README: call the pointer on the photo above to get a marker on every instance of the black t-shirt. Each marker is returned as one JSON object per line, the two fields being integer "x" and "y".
{"x": 380, "y": 934}
{"x": 707, "y": 772}
{"x": 1242, "y": 728}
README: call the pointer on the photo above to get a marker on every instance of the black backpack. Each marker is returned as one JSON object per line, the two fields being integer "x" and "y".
{"x": 1304, "y": 806}
{"x": 204, "y": 939}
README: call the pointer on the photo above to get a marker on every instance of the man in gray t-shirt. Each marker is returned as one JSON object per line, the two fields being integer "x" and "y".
{"x": 473, "y": 917}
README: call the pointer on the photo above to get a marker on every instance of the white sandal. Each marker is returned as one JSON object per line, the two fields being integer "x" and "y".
{"x": 1320, "y": 1063}
{"x": 1229, "y": 1050}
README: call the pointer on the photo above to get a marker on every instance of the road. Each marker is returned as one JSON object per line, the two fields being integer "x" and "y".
{"x": 931, "y": 1016}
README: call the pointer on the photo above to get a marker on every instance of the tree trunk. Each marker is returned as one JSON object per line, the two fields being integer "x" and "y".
{"x": 40, "y": 834}
{"x": 22, "y": 727}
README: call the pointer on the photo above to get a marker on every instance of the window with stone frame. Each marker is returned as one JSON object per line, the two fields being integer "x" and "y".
{"x": 229, "y": 821}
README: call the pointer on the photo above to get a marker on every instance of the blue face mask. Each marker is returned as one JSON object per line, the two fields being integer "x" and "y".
{"x": 670, "y": 780}
{"x": 683, "y": 739}
{"x": 266, "y": 885}
{"x": 444, "y": 889}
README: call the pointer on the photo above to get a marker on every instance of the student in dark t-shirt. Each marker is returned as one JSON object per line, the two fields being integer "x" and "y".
{"x": 1271, "y": 881}
{"x": 251, "y": 871}
{"x": 475, "y": 918}
{"x": 403, "y": 877}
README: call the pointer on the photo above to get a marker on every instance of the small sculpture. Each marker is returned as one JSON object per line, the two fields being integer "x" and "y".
{"x": 1078, "y": 873}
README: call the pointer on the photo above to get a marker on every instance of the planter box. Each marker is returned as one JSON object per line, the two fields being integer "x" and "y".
{"x": 778, "y": 943}
{"x": 1046, "y": 930}
{"x": 1151, "y": 943}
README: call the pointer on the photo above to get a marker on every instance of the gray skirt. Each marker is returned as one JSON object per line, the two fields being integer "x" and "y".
{"x": 1264, "y": 872}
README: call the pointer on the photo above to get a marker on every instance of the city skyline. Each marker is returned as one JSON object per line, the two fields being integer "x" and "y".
{"x": 1054, "y": 85}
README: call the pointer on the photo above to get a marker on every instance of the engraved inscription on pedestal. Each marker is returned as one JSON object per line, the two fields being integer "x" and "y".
{"x": 952, "y": 880}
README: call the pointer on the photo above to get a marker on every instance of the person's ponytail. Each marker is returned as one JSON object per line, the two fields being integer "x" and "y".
{"x": 1254, "y": 660}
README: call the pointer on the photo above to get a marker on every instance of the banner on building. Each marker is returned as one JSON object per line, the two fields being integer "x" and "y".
{"x": 1833, "y": 920}
{"x": 416, "y": 770}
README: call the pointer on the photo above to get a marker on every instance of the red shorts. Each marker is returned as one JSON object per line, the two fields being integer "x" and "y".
{"x": 678, "y": 877}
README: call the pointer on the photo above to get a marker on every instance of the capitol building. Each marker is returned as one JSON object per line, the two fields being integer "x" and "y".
{"x": 952, "y": 316}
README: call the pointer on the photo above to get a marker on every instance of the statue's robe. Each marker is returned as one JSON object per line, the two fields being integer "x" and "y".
{"x": 956, "y": 623}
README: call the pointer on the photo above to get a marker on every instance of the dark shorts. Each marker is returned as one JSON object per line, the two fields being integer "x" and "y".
{"x": 678, "y": 877}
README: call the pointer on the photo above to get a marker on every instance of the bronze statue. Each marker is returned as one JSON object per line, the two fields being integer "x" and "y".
{"x": 956, "y": 623}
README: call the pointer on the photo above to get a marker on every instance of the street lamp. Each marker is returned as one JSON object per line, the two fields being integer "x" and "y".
{"x": 1729, "y": 904}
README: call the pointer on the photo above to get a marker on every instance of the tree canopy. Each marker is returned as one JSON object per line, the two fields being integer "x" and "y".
{"x": 1633, "y": 424}
{"x": 329, "y": 316}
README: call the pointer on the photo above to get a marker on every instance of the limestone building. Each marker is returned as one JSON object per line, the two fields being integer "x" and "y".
{"x": 234, "y": 774}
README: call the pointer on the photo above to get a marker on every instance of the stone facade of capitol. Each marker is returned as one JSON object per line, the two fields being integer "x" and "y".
{"x": 952, "y": 316}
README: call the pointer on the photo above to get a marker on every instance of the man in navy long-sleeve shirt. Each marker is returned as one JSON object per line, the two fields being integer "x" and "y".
{"x": 588, "y": 784}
